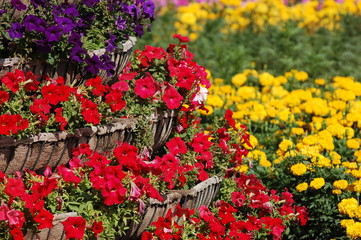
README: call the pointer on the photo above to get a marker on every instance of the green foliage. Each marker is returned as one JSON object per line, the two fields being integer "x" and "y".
{"x": 277, "y": 49}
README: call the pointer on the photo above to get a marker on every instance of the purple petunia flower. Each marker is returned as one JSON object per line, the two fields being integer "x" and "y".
{"x": 93, "y": 64}
{"x": 121, "y": 23}
{"x": 108, "y": 64}
{"x": 16, "y": 30}
{"x": 71, "y": 11}
{"x": 77, "y": 53}
{"x": 18, "y": 5}
{"x": 32, "y": 22}
{"x": 148, "y": 8}
{"x": 53, "y": 34}
{"x": 64, "y": 23}
{"x": 133, "y": 10}
{"x": 139, "y": 31}
{"x": 111, "y": 43}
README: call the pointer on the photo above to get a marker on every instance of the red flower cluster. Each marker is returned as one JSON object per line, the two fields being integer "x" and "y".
{"x": 168, "y": 76}
{"x": 253, "y": 213}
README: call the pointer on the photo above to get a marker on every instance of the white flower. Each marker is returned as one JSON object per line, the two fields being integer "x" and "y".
{"x": 201, "y": 95}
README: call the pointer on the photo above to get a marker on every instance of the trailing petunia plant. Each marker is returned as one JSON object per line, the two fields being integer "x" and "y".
{"x": 245, "y": 210}
{"x": 56, "y": 30}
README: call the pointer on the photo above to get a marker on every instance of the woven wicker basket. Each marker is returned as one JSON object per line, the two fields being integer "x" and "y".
{"x": 53, "y": 149}
{"x": 162, "y": 125}
{"x": 201, "y": 194}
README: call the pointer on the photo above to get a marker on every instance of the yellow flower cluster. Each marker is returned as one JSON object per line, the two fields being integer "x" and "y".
{"x": 239, "y": 14}
{"x": 351, "y": 208}
{"x": 316, "y": 126}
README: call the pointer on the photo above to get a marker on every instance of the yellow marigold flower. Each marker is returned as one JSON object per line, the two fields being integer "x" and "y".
{"x": 285, "y": 145}
{"x": 239, "y": 79}
{"x": 323, "y": 161}
{"x": 336, "y": 158}
{"x": 302, "y": 187}
{"x": 353, "y": 143}
{"x": 357, "y": 186}
{"x": 218, "y": 81}
{"x": 310, "y": 140}
{"x": 265, "y": 163}
{"x": 340, "y": 184}
{"x": 344, "y": 95}
{"x": 317, "y": 183}
{"x": 336, "y": 191}
{"x": 356, "y": 173}
{"x": 298, "y": 131}
{"x": 242, "y": 168}
{"x": 247, "y": 92}
{"x": 320, "y": 81}
{"x": 350, "y": 165}
{"x": 215, "y": 101}
{"x": 358, "y": 155}
{"x": 354, "y": 230}
{"x": 348, "y": 206}
{"x": 346, "y": 222}
{"x": 301, "y": 76}
{"x": 266, "y": 79}
{"x": 298, "y": 169}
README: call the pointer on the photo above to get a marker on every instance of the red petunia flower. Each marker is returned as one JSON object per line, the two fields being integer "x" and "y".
{"x": 177, "y": 146}
{"x": 114, "y": 100}
{"x": 145, "y": 87}
{"x": 172, "y": 98}
{"x": 12, "y": 124}
{"x": 15, "y": 187}
{"x": 90, "y": 111}
{"x": 12, "y": 79}
{"x": 98, "y": 88}
{"x": 97, "y": 228}
{"x": 200, "y": 142}
{"x": 228, "y": 116}
{"x": 44, "y": 218}
{"x": 4, "y": 97}
{"x": 68, "y": 175}
{"x": 17, "y": 234}
{"x": 60, "y": 118}
{"x": 182, "y": 39}
{"x": 55, "y": 93}
{"x": 40, "y": 106}
{"x": 74, "y": 227}
{"x": 16, "y": 218}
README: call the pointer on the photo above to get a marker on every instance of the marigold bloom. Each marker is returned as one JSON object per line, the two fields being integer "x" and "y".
{"x": 340, "y": 184}
{"x": 298, "y": 169}
{"x": 302, "y": 187}
{"x": 348, "y": 206}
{"x": 317, "y": 183}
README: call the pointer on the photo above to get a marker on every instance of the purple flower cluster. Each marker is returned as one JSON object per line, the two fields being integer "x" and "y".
{"x": 61, "y": 29}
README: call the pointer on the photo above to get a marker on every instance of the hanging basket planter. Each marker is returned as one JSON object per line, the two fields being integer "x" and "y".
{"x": 162, "y": 124}
{"x": 202, "y": 194}
{"x": 54, "y": 233}
{"x": 69, "y": 70}
{"x": 52, "y": 149}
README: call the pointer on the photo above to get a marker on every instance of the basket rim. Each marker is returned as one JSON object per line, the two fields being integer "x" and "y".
{"x": 116, "y": 125}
